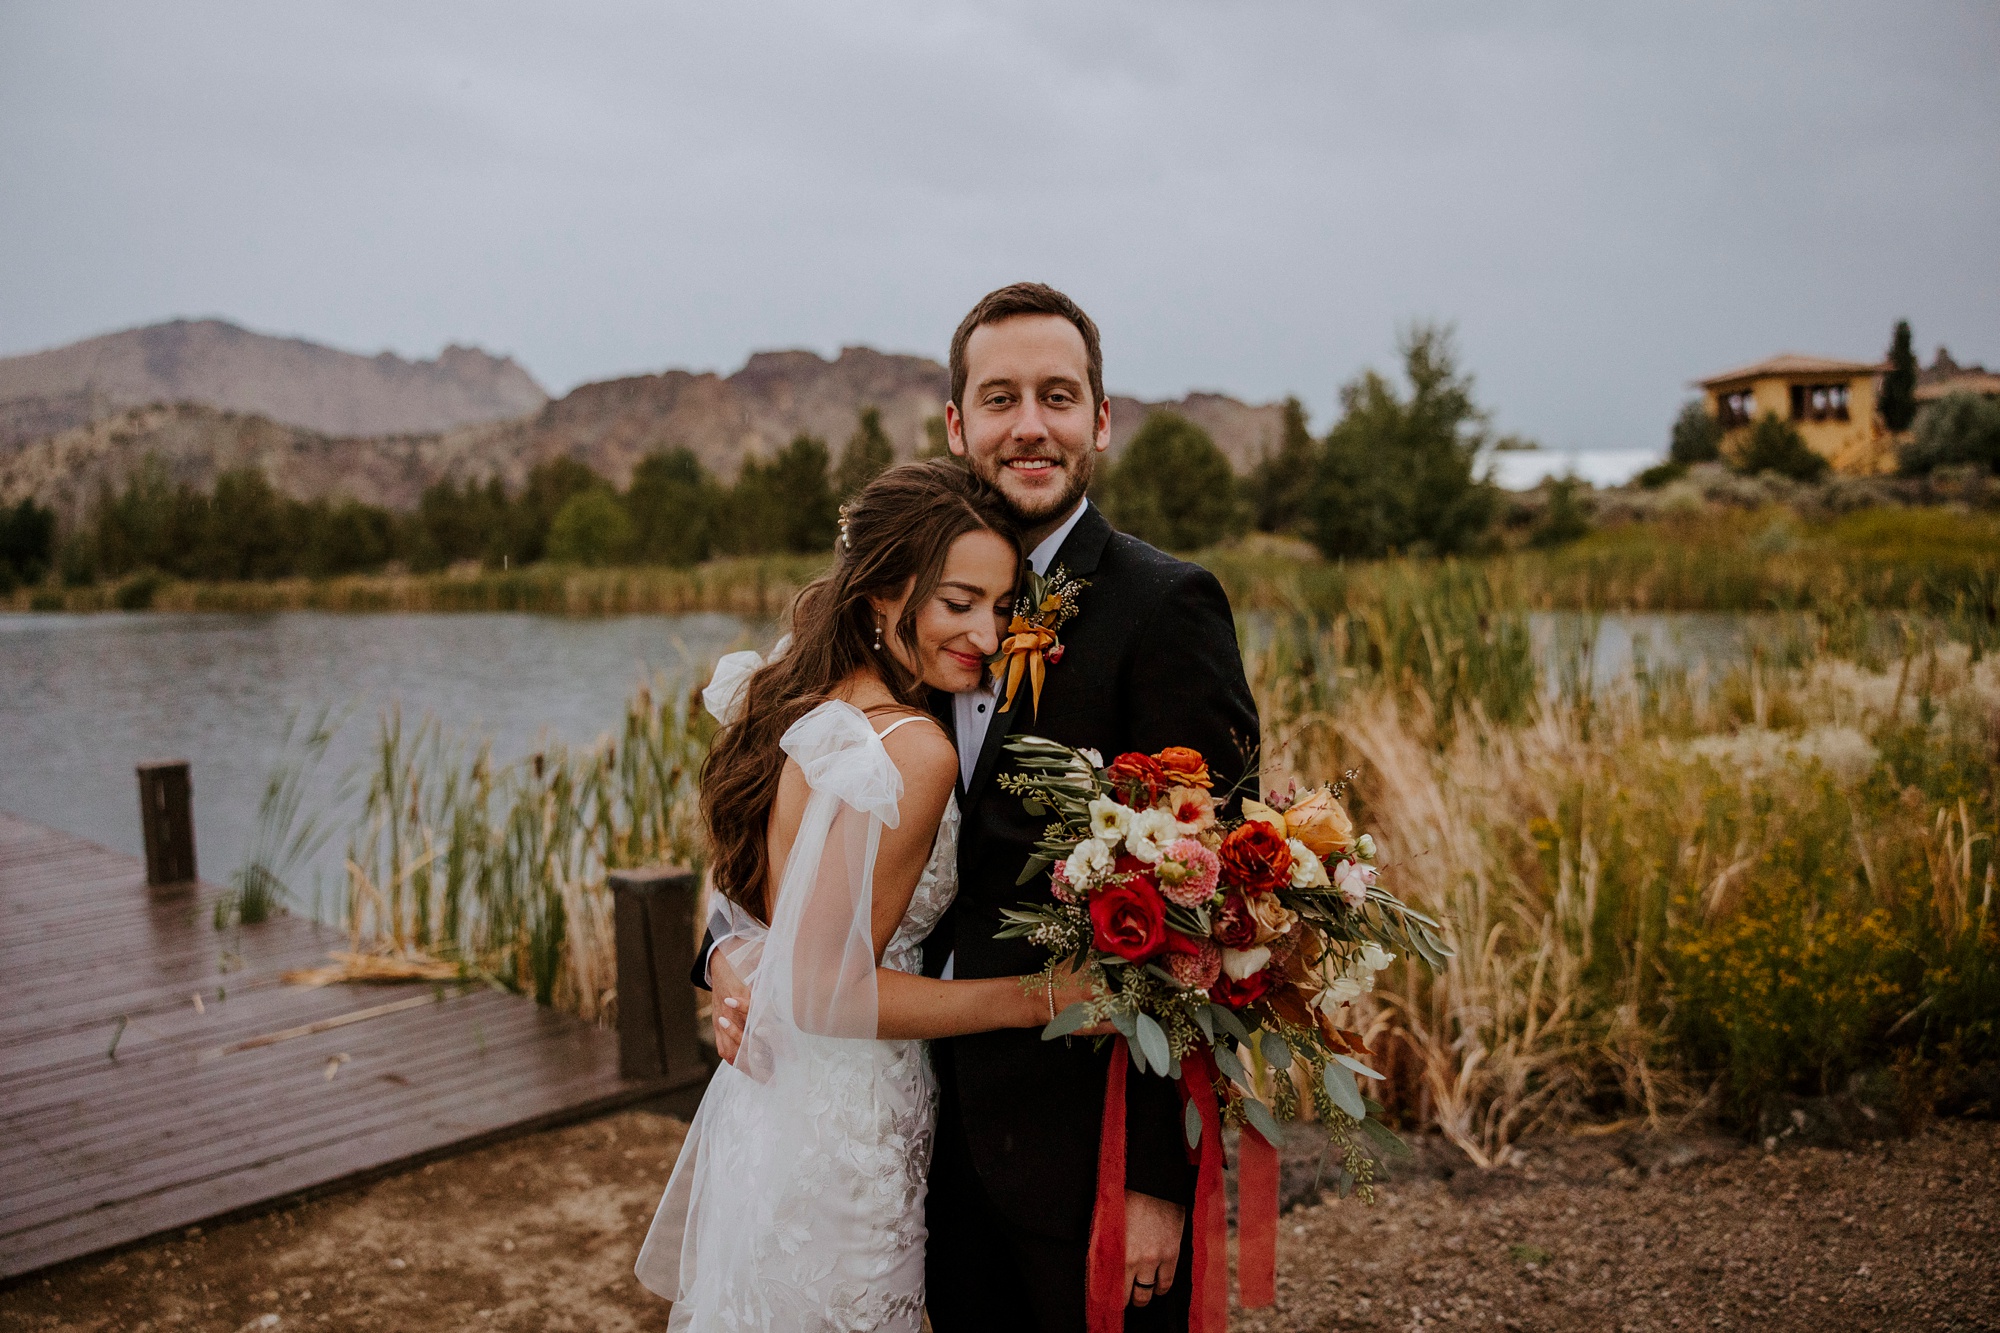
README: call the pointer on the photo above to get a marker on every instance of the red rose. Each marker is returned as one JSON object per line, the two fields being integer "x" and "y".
{"x": 1237, "y": 994}
{"x": 1255, "y": 858}
{"x": 1129, "y": 918}
{"x": 1136, "y": 780}
{"x": 1233, "y": 926}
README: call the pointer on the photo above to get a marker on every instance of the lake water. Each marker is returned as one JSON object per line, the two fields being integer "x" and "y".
{"x": 85, "y": 697}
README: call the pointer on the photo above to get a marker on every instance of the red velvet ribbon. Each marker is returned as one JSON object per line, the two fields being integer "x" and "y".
{"x": 1107, "y": 1287}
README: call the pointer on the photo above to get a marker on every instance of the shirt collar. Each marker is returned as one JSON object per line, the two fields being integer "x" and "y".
{"x": 1044, "y": 555}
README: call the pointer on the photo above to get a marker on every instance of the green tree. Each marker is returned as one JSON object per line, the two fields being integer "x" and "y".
{"x": 135, "y": 527}
{"x": 1898, "y": 405}
{"x": 550, "y": 486}
{"x": 865, "y": 457}
{"x": 937, "y": 439}
{"x": 247, "y": 534}
{"x": 345, "y": 538}
{"x": 1172, "y": 486}
{"x": 1400, "y": 473}
{"x": 799, "y": 487}
{"x": 1278, "y": 486}
{"x": 591, "y": 528}
{"x": 1697, "y": 435}
{"x": 672, "y": 501}
{"x": 1775, "y": 445}
{"x": 1958, "y": 429}
{"x": 454, "y": 523}
{"x": 27, "y": 543}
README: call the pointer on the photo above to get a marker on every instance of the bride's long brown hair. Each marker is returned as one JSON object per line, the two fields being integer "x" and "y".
{"x": 897, "y": 533}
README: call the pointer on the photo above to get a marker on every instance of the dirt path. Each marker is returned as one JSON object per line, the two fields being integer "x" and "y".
{"x": 540, "y": 1235}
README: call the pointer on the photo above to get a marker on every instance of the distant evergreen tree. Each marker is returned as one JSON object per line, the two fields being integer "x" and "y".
{"x": 1776, "y": 446}
{"x": 550, "y": 486}
{"x": 866, "y": 455}
{"x": 937, "y": 439}
{"x": 672, "y": 501}
{"x": 1399, "y": 474}
{"x": 27, "y": 543}
{"x": 1898, "y": 404}
{"x": 344, "y": 538}
{"x": 1565, "y": 520}
{"x": 804, "y": 495}
{"x": 1172, "y": 486}
{"x": 1279, "y": 485}
{"x": 1697, "y": 435}
{"x": 246, "y": 534}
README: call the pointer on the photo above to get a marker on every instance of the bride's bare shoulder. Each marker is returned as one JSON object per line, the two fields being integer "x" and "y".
{"x": 918, "y": 747}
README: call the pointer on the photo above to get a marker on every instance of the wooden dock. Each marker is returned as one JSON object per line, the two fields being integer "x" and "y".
{"x": 156, "y": 1072}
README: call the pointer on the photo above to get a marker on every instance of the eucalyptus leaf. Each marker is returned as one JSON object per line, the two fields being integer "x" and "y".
{"x": 1230, "y": 1023}
{"x": 1158, "y": 1054}
{"x": 1346, "y": 1181}
{"x": 1264, "y": 1122}
{"x": 1068, "y": 1021}
{"x": 1231, "y": 1067}
{"x": 1385, "y": 1139}
{"x": 1276, "y": 1051}
{"x": 1035, "y": 809}
{"x": 1036, "y": 865}
{"x": 1340, "y": 1086}
{"x": 1357, "y": 1066}
{"x": 1374, "y": 1107}
{"x": 1191, "y": 1119}
{"x": 1206, "y": 1022}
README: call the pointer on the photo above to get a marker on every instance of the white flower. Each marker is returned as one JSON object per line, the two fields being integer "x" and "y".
{"x": 1352, "y": 879}
{"x": 1374, "y": 957}
{"x": 1308, "y": 871}
{"x": 1096, "y": 759}
{"x": 1338, "y": 992}
{"x": 1364, "y": 847}
{"x": 1090, "y": 859}
{"x": 1151, "y": 832}
{"x": 1109, "y": 820}
{"x": 1240, "y": 963}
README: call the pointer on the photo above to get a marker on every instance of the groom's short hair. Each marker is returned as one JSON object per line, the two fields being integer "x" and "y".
{"x": 1026, "y": 298}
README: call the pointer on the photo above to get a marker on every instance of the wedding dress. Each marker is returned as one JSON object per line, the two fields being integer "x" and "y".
{"x": 798, "y": 1199}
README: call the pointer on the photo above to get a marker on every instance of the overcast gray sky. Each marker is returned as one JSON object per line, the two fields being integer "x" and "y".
{"x": 1608, "y": 199}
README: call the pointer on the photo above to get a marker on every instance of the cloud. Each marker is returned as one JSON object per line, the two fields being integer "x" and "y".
{"x": 1608, "y": 200}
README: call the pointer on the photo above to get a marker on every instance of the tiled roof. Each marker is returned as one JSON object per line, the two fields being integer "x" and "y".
{"x": 1792, "y": 363}
{"x": 1970, "y": 382}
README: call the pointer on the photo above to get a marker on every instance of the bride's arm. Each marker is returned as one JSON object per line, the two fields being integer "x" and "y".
{"x": 909, "y": 1006}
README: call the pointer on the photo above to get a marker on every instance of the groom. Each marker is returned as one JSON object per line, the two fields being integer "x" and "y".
{"x": 1150, "y": 660}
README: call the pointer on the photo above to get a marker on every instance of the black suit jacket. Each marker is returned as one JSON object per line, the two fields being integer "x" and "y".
{"x": 1150, "y": 660}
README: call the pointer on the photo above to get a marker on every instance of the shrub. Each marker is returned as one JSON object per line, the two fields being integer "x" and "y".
{"x": 590, "y": 529}
{"x": 1172, "y": 486}
{"x": 1958, "y": 429}
{"x": 866, "y": 455}
{"x": 27, "y": 542}
{"x": 1776, "y": 446}
{"x": 672, "y": 502}
{"x": 1565, "y": 520}
{"x": 1697, "y": 435}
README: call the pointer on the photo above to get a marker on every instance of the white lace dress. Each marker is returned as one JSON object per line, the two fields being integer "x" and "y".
{"x": 798, "y": 1199}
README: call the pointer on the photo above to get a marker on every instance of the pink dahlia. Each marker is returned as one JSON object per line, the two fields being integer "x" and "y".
{"x": 1198, "y": 967}
{"x": 1203, "y": 869}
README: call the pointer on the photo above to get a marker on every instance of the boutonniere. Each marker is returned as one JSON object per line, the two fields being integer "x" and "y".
{"x": 1031, "y": 646}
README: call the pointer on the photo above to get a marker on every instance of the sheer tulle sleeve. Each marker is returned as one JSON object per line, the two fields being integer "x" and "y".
{"x": 817, "y": 973}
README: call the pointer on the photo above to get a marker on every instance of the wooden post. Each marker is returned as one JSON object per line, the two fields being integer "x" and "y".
{"x": 653, "y": 912}
{"x": 166, "y": 814}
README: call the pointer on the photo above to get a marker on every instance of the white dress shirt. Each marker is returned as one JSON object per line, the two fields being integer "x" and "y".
{"x": 972, "y": 711}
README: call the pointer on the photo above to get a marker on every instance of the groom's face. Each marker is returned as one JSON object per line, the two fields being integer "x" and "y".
{"x": 1027, "y": 425}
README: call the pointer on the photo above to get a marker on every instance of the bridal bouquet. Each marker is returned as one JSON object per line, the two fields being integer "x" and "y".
{"x": 1244, "y": 940}
{"x": 1221, "y": 951}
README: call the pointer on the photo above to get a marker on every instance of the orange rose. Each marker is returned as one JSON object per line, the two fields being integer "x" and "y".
{"x": 1184, "y": 767}
{"x": 1320, "y": 823}
{"x": 1255, "y": 858}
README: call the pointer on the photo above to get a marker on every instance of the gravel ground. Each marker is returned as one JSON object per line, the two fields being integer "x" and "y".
{"x": 1621, "y": 1233}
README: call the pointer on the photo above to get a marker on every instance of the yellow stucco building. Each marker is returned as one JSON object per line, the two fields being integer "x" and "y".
{"x": 1832, "y": 403}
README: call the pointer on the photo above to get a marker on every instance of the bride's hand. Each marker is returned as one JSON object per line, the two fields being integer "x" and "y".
{"x": 730, "y": 1007}
{"x": 1070, "y": 986}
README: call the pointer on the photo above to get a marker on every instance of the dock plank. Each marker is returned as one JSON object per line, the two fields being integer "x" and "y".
{"x": 182, "y": 1125}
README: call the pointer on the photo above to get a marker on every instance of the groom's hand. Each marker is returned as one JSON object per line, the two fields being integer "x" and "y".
{"x": 1152, "y": 1244}
{"x": 730, "y": 1007}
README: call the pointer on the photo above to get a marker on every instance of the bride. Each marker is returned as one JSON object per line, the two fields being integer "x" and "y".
{"x": 832, "y": 826}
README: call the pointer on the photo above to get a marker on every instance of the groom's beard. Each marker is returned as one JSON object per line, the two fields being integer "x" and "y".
{"x": 1077, "y": 474}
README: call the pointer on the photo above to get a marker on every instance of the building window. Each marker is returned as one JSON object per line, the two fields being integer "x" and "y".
{"x": 1735, "y": 409}
{"x": 1819, "y": 402}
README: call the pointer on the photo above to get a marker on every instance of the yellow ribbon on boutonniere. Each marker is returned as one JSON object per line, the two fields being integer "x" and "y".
{"x": 1031, "y": 646}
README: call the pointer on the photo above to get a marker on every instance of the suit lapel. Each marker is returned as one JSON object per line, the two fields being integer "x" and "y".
{"x": 1079, "y": 554}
